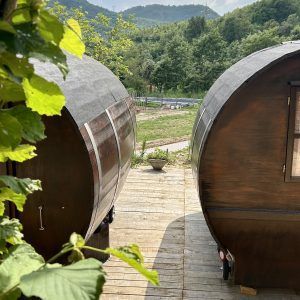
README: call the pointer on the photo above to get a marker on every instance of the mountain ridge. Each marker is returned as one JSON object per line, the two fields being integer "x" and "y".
{"x": 171, "y": 13}
{"x": 145, "y": 16}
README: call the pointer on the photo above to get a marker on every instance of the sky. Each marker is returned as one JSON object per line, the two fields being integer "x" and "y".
{"x": 220, "y": 6}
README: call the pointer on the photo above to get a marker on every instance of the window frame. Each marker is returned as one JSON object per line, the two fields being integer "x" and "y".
{"x": 291, "y": 135}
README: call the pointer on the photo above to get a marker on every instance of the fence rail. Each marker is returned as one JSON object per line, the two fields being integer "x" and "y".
{"x": 160, "y": 102}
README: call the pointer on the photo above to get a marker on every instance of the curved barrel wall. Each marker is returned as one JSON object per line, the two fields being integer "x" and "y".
{"x": 239, "y": 158}
{"x": 85, "y": 159}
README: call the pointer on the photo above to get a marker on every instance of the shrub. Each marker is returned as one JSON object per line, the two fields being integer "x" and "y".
{"x": 159, "y": 154}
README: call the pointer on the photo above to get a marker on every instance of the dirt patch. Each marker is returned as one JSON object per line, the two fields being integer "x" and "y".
{"x": 157, "y": 143}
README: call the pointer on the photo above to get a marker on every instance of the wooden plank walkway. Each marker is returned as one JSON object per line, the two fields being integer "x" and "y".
{"x": 161, "y": 213}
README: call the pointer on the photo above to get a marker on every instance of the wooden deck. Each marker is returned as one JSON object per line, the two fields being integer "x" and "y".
{"x": 161, "y": 213}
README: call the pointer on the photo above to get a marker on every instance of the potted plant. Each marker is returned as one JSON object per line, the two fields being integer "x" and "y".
{"x": 158, "y": 159}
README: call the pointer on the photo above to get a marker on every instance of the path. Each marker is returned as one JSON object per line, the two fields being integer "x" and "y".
{"x": 161, "y": 213}
{"x": 170, "y": 147}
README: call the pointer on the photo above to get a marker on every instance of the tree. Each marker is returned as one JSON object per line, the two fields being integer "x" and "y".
{"x": 277, "y": 10}
{"x": 195, "y": 27}
{"x": 110, "y": 45}
{"x": 235, "y": 27}
{"x": 260, "y": 40}
{"x": 170, "y": 70}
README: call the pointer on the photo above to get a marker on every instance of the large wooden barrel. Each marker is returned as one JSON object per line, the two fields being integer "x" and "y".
{"x": 246, "y": 162}
{"x": 85, "y": 159}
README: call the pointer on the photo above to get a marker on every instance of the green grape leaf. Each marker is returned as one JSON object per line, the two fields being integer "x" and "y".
{"x": 43, "y": 96}
{"x": 11, "y": 91}
{"x": 24, "y": 186}
{"x": 21, "y": 260}
{"x": 133, "y": 257}
{"x": 7, "y": 194}
{"x": 50, "y": 28}
{"x": 10, "y": 131}
{"x": 5, "y": 26}
{"x": 19, "y": 66}
{"x": 33, "y": 128}
{"x": 76, "y": 242}
{"x": 10, "y": 231}
{"x": 19, "y": 154}
{"x": 72, "y": 41}
{"x": 21, "y": 15}
{"x": 82, "y": 280}
{"x": 29, "y": 43}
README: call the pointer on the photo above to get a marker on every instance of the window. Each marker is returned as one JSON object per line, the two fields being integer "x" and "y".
{"x": 293, "y": 150}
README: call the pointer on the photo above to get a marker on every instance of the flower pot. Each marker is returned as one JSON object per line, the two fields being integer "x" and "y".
{"x": 157, "y": 164}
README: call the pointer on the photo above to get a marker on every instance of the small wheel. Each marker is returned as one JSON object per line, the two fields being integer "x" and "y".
{"x": 226, "y": 269}
{"x": 111, "y": 215}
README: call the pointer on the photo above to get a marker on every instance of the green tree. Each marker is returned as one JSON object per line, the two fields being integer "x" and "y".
{"x": 170, "y": 70}
{"x": 277, "y": 10}
{"x": 106, "y": 41}
{"x": 235, "y": 27}
{"x": 260, "y": 40}
{"x": 195, "y": 27}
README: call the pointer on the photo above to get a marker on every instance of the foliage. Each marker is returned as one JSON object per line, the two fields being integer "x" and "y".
{"x": 195, "y": 27}
{"x": 106, "y": 39}
{"x": 187, "y": 57}
{"x": 28, "y": 30}
{"x": 91, "y": 9}
{"x": 167, "y": 13}
{"x": 139, "y": 158}
{"x": 180, "y": 158}
{"x": 158, "y": 154}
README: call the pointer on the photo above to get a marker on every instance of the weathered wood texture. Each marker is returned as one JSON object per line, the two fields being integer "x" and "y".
{"x": 239, "y": 151}
{"x": 161, "y": 213}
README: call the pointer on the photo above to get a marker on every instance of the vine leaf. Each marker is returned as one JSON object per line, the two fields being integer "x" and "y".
{"x": 5, "y": 26}
{"x": 10, "y": 131}
{"x": 19, "y": 66}
{"x": 21, "y": 15}
{"x": 43, "y": 96}
{"x": 19, "y": 154}
{"x": 71, "y": 41}
{"x": 32, "y": 126}
{"x": 22, "y": 260}
{"x": 50, "y": 27}
{"x": 82, "y": 280}
{"x": 7, "y": 194}
{"x": 11, "y": 91}
{"x": 10, "y": 232}
{"x": 21, "y": 186}
{"x": 133, "y": 257}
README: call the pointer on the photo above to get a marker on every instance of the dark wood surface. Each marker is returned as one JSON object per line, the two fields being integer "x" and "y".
{"x": 250, "y": 208}
{"x": 65, "y": 170}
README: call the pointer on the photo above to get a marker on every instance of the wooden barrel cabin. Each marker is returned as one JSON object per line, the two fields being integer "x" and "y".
{"x": 85, "y": 158}
{"x": 246, "y": 162}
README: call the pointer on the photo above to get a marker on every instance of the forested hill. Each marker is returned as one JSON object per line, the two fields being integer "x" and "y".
{"x": 168, "y": 14}
{"x": 91, "y": 9}
{"x": 145, "y": 16}
{"x": 187, "y": 57}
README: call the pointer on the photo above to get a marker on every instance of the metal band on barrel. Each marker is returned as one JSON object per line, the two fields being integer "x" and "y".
{"x": 95, "y": 148}
{"x": 119, "y": 150}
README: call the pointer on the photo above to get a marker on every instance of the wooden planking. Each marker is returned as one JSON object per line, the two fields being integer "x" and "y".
{"x": 174, "y": 239}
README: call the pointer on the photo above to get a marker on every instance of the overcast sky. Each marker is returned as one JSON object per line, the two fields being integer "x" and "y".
{"x": 220, "y": 6}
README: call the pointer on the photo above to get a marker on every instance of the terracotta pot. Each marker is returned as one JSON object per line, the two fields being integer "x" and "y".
{"x": 157, "y": 164}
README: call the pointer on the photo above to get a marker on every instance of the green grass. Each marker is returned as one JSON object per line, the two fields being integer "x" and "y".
{"x": 172, "y": 126}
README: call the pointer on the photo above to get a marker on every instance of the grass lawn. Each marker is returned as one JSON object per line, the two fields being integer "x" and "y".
{"x": 171, "y": 126}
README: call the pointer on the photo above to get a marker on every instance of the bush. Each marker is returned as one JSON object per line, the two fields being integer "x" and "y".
{"x": 159, "y": 154}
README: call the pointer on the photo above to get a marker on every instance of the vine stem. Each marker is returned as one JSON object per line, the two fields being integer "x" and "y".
{"x": 94, "y": 249}
{"x": 59, "y": 254}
